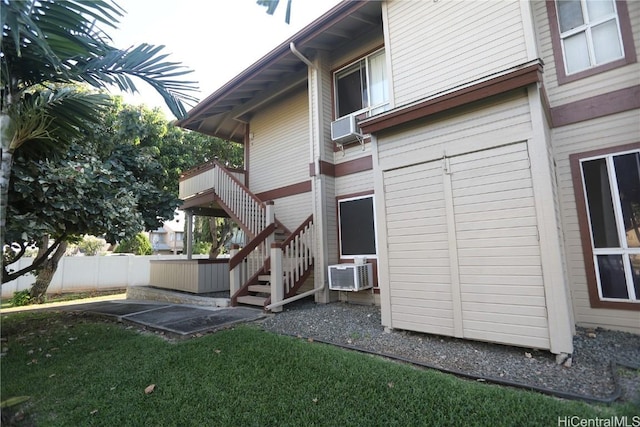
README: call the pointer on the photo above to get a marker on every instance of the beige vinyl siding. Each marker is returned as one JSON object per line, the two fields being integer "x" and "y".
{"x": 499, "y": 121}
{"x": 498, "y": 252}
{"x": 610, "y": 131}
{"x": 292, "y": 210}
{"x": 279, "y": 152}
{"x": 590, "y": 86}
{"x": 355, "y": 183}
{"x": 418, "y": 251}
{"x": 429, "y": 55}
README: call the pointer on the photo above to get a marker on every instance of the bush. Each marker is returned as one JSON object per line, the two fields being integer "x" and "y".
{"x": 201, "y": 248}
{"x": 91, "y": 246}
{"x": 138, "y": 245}
{"x": 20, "y": 298}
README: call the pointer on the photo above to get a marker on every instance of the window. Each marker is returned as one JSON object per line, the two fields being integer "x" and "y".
{"x": 611, "y": 186}
{"x": 589, "y": 37}
{"x": 362, "y": 86}
{"x": 356, "y": 224}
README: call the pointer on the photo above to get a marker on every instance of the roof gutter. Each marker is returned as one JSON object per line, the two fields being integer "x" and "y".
{"x": 296, "y": 52}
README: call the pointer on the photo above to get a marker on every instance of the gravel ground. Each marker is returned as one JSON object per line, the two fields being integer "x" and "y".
{"x": 589, "y": 375}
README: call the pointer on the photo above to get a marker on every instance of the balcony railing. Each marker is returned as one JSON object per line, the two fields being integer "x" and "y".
{"x": 201, "y": 178}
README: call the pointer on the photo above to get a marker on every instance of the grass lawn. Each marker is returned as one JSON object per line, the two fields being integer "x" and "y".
{"x": 80, "y": 370}
{"x": 69, "y": 296}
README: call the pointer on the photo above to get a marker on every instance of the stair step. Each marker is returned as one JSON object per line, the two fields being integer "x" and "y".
{"x": 264, "y": 278}
{"x": 262, "y": 289}
{"x": 252, "y": 300}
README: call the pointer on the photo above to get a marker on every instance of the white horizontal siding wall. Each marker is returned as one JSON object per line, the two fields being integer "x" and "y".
{"x": 292, "y": 210}
{"x": 429, "y": 54}
{"x": 488, "y": 124}
{"x": 502, "y": 289}
{"x": 610, "y": 131}
{"x": 591, "y": 86}
{"x": 355, "y": 183}
{"x": 418, "y": 249}
{"x": 279, "y": 152}
{"x": 463, "y": 256}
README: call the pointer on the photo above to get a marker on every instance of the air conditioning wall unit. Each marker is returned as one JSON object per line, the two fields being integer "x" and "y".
{"x": 345, "y": 129}
{"x": 350, "y": 277}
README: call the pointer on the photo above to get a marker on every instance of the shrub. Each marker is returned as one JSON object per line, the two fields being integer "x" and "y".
{"x": 20, "y": 298}
{"x": 138, "y": 245}
{"x": 201, "y": 248}
{"x": 91, "y": 245}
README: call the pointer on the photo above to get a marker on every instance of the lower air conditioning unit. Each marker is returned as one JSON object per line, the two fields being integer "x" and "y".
{"x": 350, "y": 277}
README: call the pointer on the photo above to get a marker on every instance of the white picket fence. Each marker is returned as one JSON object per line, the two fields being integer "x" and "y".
{"x": 88, "y": 273}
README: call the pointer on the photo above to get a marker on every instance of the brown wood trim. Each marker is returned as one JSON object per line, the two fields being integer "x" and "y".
{"x": 343, "y": 169}
{"x": 513, "y": 80}
{"x": 614, "y": 102}
{"x": 205, "y": 197}
{"x": 627, "y": 42}
{"x": 237, "y": 258}
{"x": 354, "y": 166}
{"x": 585, "y": 232}
{"x": 287, "y": 190}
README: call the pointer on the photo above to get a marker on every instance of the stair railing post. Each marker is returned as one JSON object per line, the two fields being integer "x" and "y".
{"x": 270, "y": 213}
{"x": 235, "y": 279}
{"x": 277, "y": 287}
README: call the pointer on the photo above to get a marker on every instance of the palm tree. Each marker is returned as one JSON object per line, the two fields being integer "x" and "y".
{"x": 47, "y": 44}
{"x": 272, "y": 5}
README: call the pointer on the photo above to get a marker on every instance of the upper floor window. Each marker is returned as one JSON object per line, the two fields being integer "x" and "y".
{"x": 362, "y": 86}
{"x": 590, "y": 36}
{"x": 590, "y": 33}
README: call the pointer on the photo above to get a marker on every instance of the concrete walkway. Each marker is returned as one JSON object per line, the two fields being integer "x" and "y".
{"x": 175, "y": 318}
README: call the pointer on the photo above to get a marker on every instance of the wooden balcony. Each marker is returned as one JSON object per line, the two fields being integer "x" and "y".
{"x": 201, "y": 179}
{"x": 197, "y": 276}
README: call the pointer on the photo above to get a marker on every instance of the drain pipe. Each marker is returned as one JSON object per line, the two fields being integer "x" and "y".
{"x": 294, "y": 298}
{"x": 296, "y": 52}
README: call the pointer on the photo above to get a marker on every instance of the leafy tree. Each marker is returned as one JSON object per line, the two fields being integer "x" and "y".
{"x": 137, "y": 245}
{"x": 48, "y": 42}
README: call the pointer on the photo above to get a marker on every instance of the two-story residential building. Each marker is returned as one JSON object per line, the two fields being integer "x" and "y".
{"x": 482, "y": 156}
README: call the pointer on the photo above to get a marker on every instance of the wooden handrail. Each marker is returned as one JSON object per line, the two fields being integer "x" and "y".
{"x": 297, "y": 231}
{"x": 237, "y": 181}
{"x": 208, "y": 166}
{"x": 261, "y": 237}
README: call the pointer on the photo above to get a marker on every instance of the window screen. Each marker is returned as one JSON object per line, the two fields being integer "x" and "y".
{"x": 357, "y": 227}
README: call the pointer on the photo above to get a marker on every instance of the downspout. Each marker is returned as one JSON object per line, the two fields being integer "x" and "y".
{"x": 296, "y": 52}
{"x": 316, "y": 161}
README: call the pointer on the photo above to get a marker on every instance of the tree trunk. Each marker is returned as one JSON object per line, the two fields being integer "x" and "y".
{"x": 6, "y": 161}
{"x": 215, "y": 246}
{"x": 45, "y": 275}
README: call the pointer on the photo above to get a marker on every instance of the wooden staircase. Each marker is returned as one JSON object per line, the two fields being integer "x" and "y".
{"x": 272, "y": 266}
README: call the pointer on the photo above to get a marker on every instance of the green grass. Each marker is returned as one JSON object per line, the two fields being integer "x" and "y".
{"x": 68, "y": 296}
{"x": 83, "y": 371}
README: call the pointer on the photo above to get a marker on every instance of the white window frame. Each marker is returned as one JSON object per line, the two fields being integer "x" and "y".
{"x": 367, "y": 109}
{"x": 375, "y": 228}
{"x": 624, "y": 250}
{"x": 586, "y": 28}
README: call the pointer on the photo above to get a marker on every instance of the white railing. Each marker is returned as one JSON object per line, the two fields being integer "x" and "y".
{"x": 230, "y": 191}
{"x": 297, "y": 255}
{"x": 246, "y": 264}
{"x": 291, "y": 262}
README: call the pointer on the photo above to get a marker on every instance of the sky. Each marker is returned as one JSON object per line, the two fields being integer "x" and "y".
{"x": 217, "y": 39}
